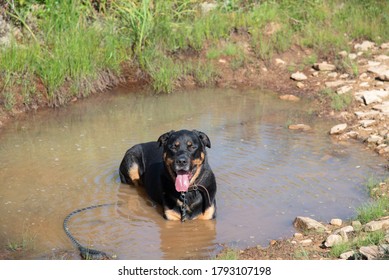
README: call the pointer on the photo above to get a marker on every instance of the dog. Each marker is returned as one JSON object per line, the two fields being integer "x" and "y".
{"x": 176, "y": 174}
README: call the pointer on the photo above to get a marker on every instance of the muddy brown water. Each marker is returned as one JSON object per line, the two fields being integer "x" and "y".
{"x": 55, "y": 162}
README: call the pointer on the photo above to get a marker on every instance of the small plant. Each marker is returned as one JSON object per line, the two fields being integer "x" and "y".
{"x": 25, "y": 243}
{"x": 228, "y": 254}
{"x": 338, "y": 102}
{"x": 301, "y": 254}
{"x": 373, "y": 210}
{"x": 340, "y": 248}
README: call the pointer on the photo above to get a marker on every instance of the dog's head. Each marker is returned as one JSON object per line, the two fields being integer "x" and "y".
{"x": 184, "y": 153}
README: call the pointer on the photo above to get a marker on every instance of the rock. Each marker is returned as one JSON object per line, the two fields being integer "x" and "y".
{"x": 332, "y": 75}
{"x": 382, "y": 58}
{"x": 375, "y": 139}
{"x": 366, "y": 115}
{"x": 347, "y": 255}
{"x": 306, "y": 242}
{"x": 324, "y": 66}
{"x": 299, "y": 126}
{"x": 383, "y": 108}
{"x": 370, "y": 252}
{"x": 343, "y": 54}
{"x": 376, "y": 225}
{"x": 372, "y": 96}
{"x": 332, "y": 240}
{"x": 344, "y": 89}
{"x": 345, "y": 229}
{"x": 384, "y": 46}
{"x": 384, "y": 76}
{"x": 207, "y": 7}
{"x": 289, "y": 97}
{"x": 364, "y": 46}
{"x": 356, "y": 225}
{"x": 336, "y": 222}
{"x": 378, "y": 70}
{"x": 373, "y": 63}
{"x": 306, "y": 223}
{"x": 298, "y": 235}
{"x": 367, "y": 123}
{"x": 280, "y": 61}
{"x": 298, "y": 76}
{"x": 300, "y": 85}
{"x": 337, "y": 129}
{"x": 334, "y": 84}
{"x": 352, "y": 56}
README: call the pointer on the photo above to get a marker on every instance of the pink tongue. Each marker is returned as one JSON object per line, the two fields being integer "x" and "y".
{"x": 182, "y": 182}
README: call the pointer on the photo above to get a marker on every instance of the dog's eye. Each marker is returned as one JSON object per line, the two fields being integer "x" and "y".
{"x": 175, "y": 146}
{"x": 192, "y": 147}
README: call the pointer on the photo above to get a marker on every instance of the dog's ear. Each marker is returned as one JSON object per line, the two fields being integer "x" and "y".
{"x": 164, "y": 137}
{"x": 203, "y": 138}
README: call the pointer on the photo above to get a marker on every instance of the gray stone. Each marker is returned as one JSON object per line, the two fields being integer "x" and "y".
{"x": 364, "y": 46}
{"x": 298, "y": 235}
{"x": 366, "y": 115}
{"x": 378, "y": 70}
{"x": 332, "y": 240}
{"x": 356, "y": 225}
{"x": 372, "y": 96}
{"x": 367, "y": 123}
{"x": 344, "y": 89}
{"x": 336, "y": 222}
{"x": 376, "y": 225}
{"x": 375, "y": 139}
{"x": 337, "y": 129}
{"x": 334, "y": 84}
{"x": 324, "y": 66}
{"x": 345, "y": 229}
{"x": 383, "y": 107}
{"x": 382, "y": 57}
{"x": 370, "y": 252}
{"x": 298, "y": 76}
{"x": 306, "y": 242}
{"x": 384, "y": 76}
{"x": 306, "y": 223}
{"x": 343, "y": 53}
{"x": 207, "y": 7}
{"x": 384, "y": 46}
{"x": 347, "y": 255}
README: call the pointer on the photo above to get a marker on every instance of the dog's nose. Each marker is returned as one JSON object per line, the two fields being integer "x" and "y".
{"x": 181, "y": 161}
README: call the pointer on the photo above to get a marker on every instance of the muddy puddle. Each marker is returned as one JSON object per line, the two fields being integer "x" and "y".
{"x": 55, "y": 162}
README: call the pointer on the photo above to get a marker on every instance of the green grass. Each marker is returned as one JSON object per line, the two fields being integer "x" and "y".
{"x": 338, "y": 102}
{"x": 364, "y": 239}
{"x": 373, "y": 210}
{"x": 25, "y": 243}
{"x": 69, "y": 43}
{"x": 228, "y": 254}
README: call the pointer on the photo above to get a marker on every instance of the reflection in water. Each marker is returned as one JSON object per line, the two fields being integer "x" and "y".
{"x": 54, "y": 163}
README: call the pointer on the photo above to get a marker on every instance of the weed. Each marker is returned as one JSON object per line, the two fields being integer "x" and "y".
{"x": 25, "y": 243}
{"x": 340, "y": 248}
{"x": 203, "y": 73}
{"x": 373, "y": 210}
{"x": 228, "y": 254}
{"x": 338, "y": 102}
{"x": 301, "y": 254}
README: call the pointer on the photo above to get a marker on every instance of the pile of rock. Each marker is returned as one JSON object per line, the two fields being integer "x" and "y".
{"x": 337, "y": 233}
{"x": 369, "y": 85}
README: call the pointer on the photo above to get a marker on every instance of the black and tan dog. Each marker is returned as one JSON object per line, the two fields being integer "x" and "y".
{"x": 175, "y": 173}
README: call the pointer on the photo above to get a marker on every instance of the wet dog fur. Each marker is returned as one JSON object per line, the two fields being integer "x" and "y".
{"x": 156, "y": 166}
